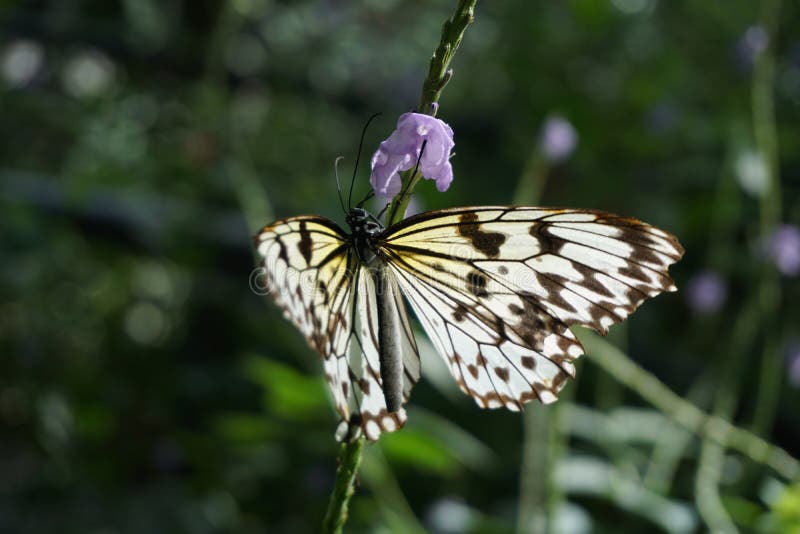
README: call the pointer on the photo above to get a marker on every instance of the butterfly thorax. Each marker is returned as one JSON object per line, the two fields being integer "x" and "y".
{"x": 365, "y": 229}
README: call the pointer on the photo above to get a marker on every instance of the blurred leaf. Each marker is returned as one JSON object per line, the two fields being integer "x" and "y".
{"x": 393, "y": 505}
{"x": 786, "y": 508}
{"x": 469, "y": 450}
{"x": 582, "y": 475}
{"x": 414, "y": 448}
{"x": 745, "y": 513}
{"x": 287, "y": 392}
{"x": 94, "y": 421}
{"x": 244, "y": 428}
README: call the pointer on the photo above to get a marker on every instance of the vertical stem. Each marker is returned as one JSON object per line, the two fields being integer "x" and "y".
{"x": 538, "y": 495}
{"x": 439, "y": 74}
{"x": 763, "y": 102}
{"x": 349, "y": 460}
{"x": 766, "y": 294}
{"x": 536, "y": 470}
{"x": 712, "y": 454}
{"x": 766, "y": 137}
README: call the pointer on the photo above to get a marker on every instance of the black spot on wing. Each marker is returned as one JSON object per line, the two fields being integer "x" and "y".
{"x": 502, "y": 373}
{"x": 322, "y": 288}
{"x": 473, "y": 370}
{"x": 486, "y": 242}
{"x": 459, "y": 313}
{"x": 304, "y": 245}
{"x": 364, "y": 385}
{"x": 476, "y": 284}
{"x": 547, "y": 243}
{"x": 535, "y": 323}
{"x": 281, "y": 249}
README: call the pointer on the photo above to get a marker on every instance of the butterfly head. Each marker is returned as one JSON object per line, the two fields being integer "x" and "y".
{"x": 363, "y": 223}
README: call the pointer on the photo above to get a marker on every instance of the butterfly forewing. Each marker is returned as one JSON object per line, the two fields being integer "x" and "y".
{"x": 313, "y": 274}
{"x": 308, "y": 266}
{"x": 496, "y": 289}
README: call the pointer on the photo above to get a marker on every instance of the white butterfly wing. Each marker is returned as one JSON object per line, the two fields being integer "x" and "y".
{"x": 314, "y": 276}
{"x": 496, "y": 289}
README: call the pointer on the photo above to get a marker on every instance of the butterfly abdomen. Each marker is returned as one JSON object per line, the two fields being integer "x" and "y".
{"x": 390, "y": 352}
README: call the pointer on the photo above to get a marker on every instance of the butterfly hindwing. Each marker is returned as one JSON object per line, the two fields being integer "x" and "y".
{"x": 496, "y": 289}
{"x": 374, "y": 417}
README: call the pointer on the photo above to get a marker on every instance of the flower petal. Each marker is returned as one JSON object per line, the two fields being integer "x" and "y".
{"x": 401, "y": 151}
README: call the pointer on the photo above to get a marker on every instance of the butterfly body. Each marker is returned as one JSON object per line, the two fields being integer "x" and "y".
{"x": 495, "y": 288}
{"x": 365, "y": 231}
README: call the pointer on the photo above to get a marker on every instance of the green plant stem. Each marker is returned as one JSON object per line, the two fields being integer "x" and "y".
{"x": 349, "y": 460}
{"x": 536, "y": 471}
{"x": 712, "y": 453}
{"x": 673, "y": 444}
{"x": 766, "y": 137}
{"x": 439, "y": 73}
{"x": 686, "y": 414}
{"x": 766, "y": 298}
{"x": 538, "y": 495}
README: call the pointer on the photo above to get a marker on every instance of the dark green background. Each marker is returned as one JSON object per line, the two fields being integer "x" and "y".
{"x": 145, "y": 388}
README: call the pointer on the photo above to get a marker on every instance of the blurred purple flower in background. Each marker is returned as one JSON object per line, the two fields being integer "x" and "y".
{"x": 754, "y": 41}
{"x": 401, "y": 151}
{"x": 752, "y": 172}
{"x": 706, "y": 292}
{"x": 793, "y": 362}
{"x": 449, "y": 515}
{"x": 784, "y": 249}
{"x": 557, "y": 139}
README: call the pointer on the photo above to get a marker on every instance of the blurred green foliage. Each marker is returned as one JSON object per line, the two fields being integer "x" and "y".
{"x": 144, "y": 387}
{"x": 786, "y": 509}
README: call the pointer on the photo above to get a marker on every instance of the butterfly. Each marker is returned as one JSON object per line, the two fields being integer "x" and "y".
{"x": 495, "y": 288}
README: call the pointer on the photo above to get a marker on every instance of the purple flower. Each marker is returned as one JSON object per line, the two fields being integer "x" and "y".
{"x": 401, "y": 151}
{"x": 784, "y": 249}
{"x": 558, "y": 139}
{"x": 706, "y": 292}
{"x": 793, "y": 362}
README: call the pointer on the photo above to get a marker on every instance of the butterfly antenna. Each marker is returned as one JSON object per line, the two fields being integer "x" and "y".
{"x": 380, "y": 214}
{"x": 358, "y": 157}
{"x": 367, "y": 197}
{"x": 338, "y": 184}
{"x": 416, "y": 167}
